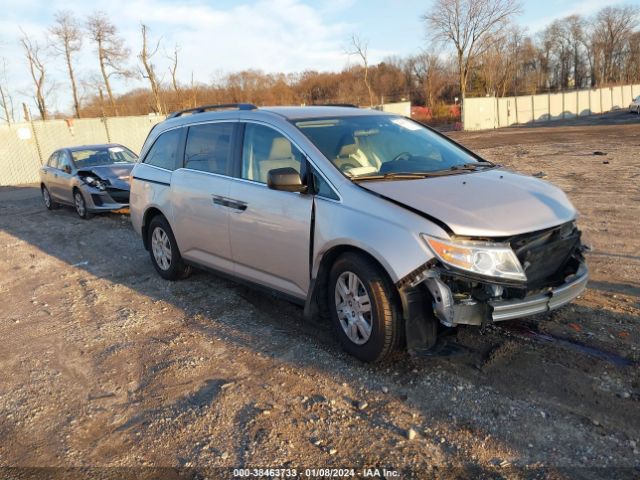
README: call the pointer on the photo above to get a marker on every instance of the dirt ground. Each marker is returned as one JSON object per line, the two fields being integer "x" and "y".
{"x": 104, "y": 364}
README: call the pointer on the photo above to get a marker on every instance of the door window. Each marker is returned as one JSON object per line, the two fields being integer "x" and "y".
{"x": 64, "y": 162}
{"x": 209, "y": 147}
{"x": 265, "y": 149}
{"x": 321, "y": 187}
{"x": 164, "y": 152}
{"x": 53, "y": 160}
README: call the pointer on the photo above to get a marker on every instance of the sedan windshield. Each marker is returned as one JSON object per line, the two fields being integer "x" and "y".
{"x": 93, "y": 157}
{"x": 375, "y": 146}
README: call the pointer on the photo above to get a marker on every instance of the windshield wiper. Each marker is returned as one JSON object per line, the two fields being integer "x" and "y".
{"x": 400, "y": 176}
{"x": 473, "y": 166}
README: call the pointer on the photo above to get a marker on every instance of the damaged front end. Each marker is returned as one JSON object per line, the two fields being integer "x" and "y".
{"x": 553, "y": 272}
{"x": 107, "y": 192}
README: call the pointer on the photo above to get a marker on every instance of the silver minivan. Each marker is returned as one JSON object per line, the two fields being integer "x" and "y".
{"x": 370, "y": 219}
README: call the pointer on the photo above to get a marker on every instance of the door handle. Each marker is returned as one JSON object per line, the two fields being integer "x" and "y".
{"x": 229, "y": 203}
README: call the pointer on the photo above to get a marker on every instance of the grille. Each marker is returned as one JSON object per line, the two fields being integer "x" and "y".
{"x": 97, "y": 200}
{"x": 545, "y": 255}
{"x": 119, "y": 196}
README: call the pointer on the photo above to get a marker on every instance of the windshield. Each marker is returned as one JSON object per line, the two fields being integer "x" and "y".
{"x": 374, "y": 145}
{"x": 93, "y": 157}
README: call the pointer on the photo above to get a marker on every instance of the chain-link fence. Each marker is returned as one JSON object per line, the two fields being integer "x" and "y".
{"x": 24, "y": 147}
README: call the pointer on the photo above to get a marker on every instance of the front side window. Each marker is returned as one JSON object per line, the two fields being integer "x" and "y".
{"x": 164, "y": 152}
{"x": 265, "y": 149}
{"x": 53, "y": 160}
{"x": 64, "y": 162}
{"x": 209, "y": 148}
{"x": 322, "y": 187}
{"x": 373, "y": 145}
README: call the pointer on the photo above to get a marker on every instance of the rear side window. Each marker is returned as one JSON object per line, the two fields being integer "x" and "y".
{"x": 164, "y": 151}
{"x": 208, "y": 148}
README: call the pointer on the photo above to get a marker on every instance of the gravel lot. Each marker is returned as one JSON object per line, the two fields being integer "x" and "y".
{"x": 106, "y": 365}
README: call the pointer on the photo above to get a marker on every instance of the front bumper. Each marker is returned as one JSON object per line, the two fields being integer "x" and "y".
{"x": 544, "y": 302}
{"x": 469, "y": 311}
{"x": 105, "y": 200}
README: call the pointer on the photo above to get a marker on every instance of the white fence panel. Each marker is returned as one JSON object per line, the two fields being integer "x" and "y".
{"x": 491, "y": 112}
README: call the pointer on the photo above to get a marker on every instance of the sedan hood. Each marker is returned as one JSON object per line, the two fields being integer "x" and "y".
{"x": 491, "y": 203}
{"x": 117, "y": 173}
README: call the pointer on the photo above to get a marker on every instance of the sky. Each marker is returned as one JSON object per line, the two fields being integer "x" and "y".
{"x": 220, "y": 36}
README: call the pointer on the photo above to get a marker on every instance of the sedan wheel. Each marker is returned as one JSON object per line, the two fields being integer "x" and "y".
{"x": 46, "y": 198}
{"x": 80, "y": 204}
{"x": 161, "y": 247}
{"x": 353, "y": 306}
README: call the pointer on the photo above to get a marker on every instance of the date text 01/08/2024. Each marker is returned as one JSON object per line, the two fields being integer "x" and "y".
{"x": 315, "y": 473}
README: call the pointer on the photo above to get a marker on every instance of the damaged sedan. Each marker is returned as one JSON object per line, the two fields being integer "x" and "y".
{"x": 91, "y": 178}
{"x": 387, "y": 227}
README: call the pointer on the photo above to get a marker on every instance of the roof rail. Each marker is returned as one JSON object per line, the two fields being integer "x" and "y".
{"x": 349, "y": 105}
{"x": 204, "y": 108}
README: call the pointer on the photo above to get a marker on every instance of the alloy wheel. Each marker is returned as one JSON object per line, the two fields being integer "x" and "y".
{"x": 78, "y": 200}
{"x": 46, "y": 197}
{"x": 161, "y": 247}
{"x": 353, "y": 306}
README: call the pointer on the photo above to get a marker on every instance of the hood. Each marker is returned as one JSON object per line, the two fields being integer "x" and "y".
{"x": 491, "y": 203}
{"x": 117, "y": 173}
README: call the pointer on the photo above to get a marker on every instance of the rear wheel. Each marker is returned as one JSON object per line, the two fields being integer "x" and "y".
{"x": 364, "y": 308}
{"x": 164, "y": 252}
{"x": 47, "y": 199}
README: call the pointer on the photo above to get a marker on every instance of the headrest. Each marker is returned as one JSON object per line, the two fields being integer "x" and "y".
{"x": 348, "y": 149}
{"x": 280, "y": 148}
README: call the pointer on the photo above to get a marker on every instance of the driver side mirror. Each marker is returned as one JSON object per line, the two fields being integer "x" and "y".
{"x": 66, "y": 169}
{"x": 286, "y": 179}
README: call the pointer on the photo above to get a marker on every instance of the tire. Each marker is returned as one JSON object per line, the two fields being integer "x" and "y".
{"x": 351, "y": 318}
{"x": 80, "y": 205}
{"x": 48, "y": 200}
{"x": 162, "y": 244}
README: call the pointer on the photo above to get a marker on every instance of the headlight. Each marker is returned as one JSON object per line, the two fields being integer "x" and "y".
{"x": 483, "y": 258}
{"x": 94, "y": 182}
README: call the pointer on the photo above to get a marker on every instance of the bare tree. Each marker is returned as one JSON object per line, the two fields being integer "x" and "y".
{"x": 470, "y": 26}
{"x": 149, "y": 72}
{"x": 112, "y": 52}
{"x": 34, "y": 54}
{"x": 5, "y": 95}
{"x": 67, "y": 40}
{"x": 173, "y": 68}
{"x": 496, "y": 68}
{"x": 612, "y": 28}
{"x": 430, "y": 74}
{"x": 360, "y": 48}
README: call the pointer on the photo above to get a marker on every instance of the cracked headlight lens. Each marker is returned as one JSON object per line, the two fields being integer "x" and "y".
{"x": 94, "y": 182}
{"x": 483, "y": 258}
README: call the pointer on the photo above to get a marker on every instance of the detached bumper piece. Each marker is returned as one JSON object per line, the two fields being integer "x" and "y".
{"x": 545, "y": 302}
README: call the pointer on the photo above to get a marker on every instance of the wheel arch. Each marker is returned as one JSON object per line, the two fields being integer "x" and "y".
{"x": 314, "y": 305}
{"x": 149, "y": 214}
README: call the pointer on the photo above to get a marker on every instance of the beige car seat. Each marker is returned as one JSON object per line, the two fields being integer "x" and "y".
{"x": 350, "y": 154}
{"x": 280, "y": 156}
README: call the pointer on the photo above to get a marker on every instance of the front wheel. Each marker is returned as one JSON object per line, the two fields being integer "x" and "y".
{"x": 80, "y": 205}
{"x": 364, "y": 308}
{"x": 164, "y": 252}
